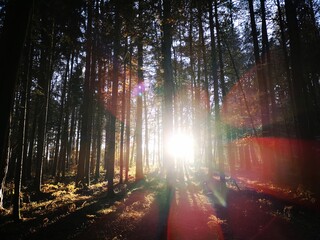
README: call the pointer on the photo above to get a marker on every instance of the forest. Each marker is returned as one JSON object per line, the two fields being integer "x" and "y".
{"x": 160, "y": 119}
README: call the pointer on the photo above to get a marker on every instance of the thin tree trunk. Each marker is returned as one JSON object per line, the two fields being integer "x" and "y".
{"x": 208, "y": 143}
{"x": 57, "y": 159}
{"x": 168, "y": 87}
{"x": 101, "y": 77}
{"x": 262, "y": 85}
{"x": 71, "y": 111}
{"x": 21, "y": 148}
{"x": 26, "y": 164}
{"x": 146, "y": 133}
{"x": 11, "y": 43}
{"x": 128, "y": 117}
{"x": 193, "y": 81}
{"x": 44, "y": 83}
{"x": 114, "y": 107}
{"x": 167, "y": 109}
{"x": 64, "y": 138}
{"x": 139, "y": 154}
{"x": 85, "y": 141}
{"x": 223, "y": 90}
{"x": 123, "y": 111}
{"x": 214, "y": 67}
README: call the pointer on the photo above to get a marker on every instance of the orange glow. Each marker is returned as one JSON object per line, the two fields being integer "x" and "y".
{"x": 240, "y": 106}
{"x": 276, "y": 164}
{"x": 191, "y": 216}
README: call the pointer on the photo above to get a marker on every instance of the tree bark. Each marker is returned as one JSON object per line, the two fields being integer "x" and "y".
{"x": 218, "y": 126}
{"x": 11, "y": 45}
{"x": 128, "y": 116}
{"x": 114, "y": 106}
{"x": 262, "y": 85}
{"x": 85, "y": 141}
{"x": 139, "y": 155}
{"x": 123, "y": 115}
{"x": 167, "y": 108}
{"x": 168, "y": 86}
{"x": 43, "y": 99}
{"x": 208, "y": 141}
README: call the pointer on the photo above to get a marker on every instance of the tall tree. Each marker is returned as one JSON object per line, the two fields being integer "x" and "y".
{"x": 218, "y": 126}
{"x": 22, "y": 132}
{"x": 44, "y": 81}
{"x": 300, "y": 96}
{"x": 214, "y": 69}
{"x": 139, "y": 156}
{"x": 299, "y": 88}
{"x": 114, "y": 100}
{"x": 263, "y": 97}
{"x": 128, "y": 116}
{"x": 11, "y": 43}
{"x": 208, "y": 137}
{"x": 266, "y": 63}
{"x": 86, "y": 127}
{"x": 167, "y": 117}
{"x": 168, "y": 86}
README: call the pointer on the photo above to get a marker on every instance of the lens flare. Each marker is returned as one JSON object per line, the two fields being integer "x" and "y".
{"x": 181, "y": 146}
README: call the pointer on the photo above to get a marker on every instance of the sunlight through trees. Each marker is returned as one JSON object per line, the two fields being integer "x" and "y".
{"x": 111, "y": 91}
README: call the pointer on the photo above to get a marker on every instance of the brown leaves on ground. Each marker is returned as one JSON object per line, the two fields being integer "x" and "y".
{"x": 196, "y": 209}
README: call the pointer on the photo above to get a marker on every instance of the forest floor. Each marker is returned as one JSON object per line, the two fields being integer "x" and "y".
{"x": 195, "y": 208}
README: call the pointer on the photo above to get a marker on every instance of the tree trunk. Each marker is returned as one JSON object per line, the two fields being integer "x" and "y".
{"x": 43, "y": 99}
{"x": 28, "y": 75}
{"x": 123, "y": 111}
{"x": 85, "y": 141}
{"x": 208, "y": 142}
{"x": 263, "y": 96}
{"x": 139, "y": 155}
{"x": 146, "y": 133}
{"x": 300, "y": 97}
{"x": 21, "y": 145}
{"x": 214, "y": 67}
{"x": 11, "y": 43}
{"x": 30, "y": 154}
{"x": 218, "y": 126}
{"x": 101, "y": 77}
{"x": 57, "y": 159}
{"x": 167, "y": 109}
{"x": 65, "y": 112}
{"x": 168, "y": 88}
{"x": 114, "y": 106}
{"x": 193, "y": 81}
{"x": 128, "y": 117}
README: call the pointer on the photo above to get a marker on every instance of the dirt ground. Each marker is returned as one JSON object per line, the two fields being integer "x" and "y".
{"x": 195, "y": 208}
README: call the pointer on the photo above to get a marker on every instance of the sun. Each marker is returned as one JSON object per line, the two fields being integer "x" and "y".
{"x": 181, "y": 146}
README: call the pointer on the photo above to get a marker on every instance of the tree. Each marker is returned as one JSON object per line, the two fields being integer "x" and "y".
{"x": 300, "y": 96}
{"x": 114, "y": 101}
{"x": 128, "y": 116}
{"x": 139, "y": 156}
{"x": 167, "y": 117}
{"x": 168, "y": 87}
{"x": 11, "y": 43}
{"x": 263, "y": 98}
{"x": 86, "y": 128}
{"x": 214, "y": 69}
{"x": 208, "y": 141}
{"x": 44, "y": 81}
{"x": 223, "y": 91}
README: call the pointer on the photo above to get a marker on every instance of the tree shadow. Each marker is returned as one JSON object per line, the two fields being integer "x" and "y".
{"x": 190, "y": 211}
{"x": 63, "y": 222}
{"x": 250, "y": 214}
